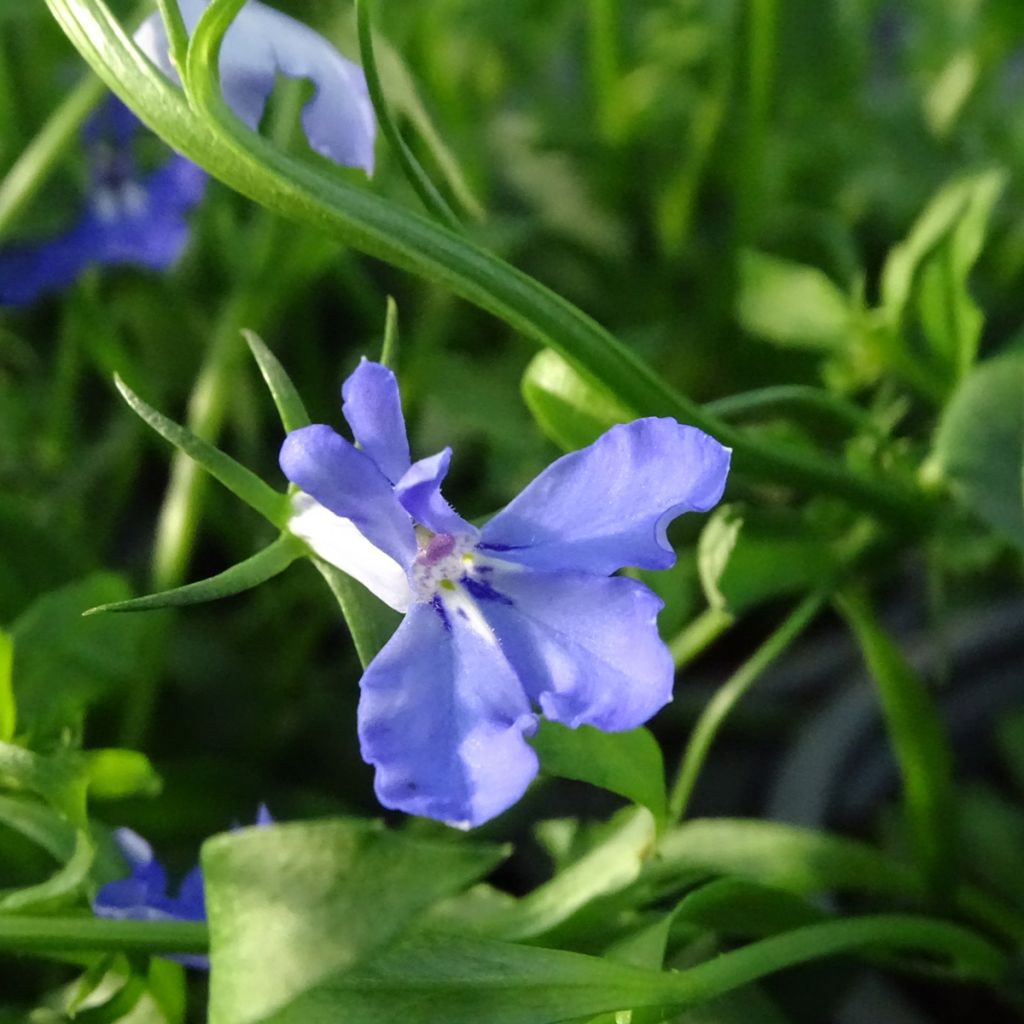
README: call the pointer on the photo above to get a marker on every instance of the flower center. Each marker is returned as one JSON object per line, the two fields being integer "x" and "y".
{"x": 442, "y": 561}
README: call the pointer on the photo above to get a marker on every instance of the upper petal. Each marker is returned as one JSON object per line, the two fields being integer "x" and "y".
{"x": 262, "y": 42}
{"x": 442, "y": 718}
{"x": 608, "y": 505}
{"x": 419, "y": 491}
{"x": 373, "y": 409}
{"x": 348, "y": 483}
{"x": 586, "y": 647}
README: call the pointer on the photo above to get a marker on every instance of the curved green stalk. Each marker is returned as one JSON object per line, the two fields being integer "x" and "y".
{"x": 309, "y": 193}
{"x": 729, "y": 694}
{"x": 432, "y": 200}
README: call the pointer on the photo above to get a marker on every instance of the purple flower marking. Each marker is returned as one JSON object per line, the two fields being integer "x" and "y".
{"x": 261, "y": 43}
{"x": 520, "y": 615}
{"x": 131, "y": 218}
{"x": 142, "y": 896}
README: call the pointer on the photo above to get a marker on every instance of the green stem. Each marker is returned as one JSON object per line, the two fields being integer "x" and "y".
{"x": 603, "y": 60}
{"x": 19, "y": 933}
{"x": 729, "y": 694}
{"x": 698, "y": 635}
{"x": 432, "y": 200}
{"x": 304, "y": 191}
{"x": 38, "y": 158}
{"x": 803, "y": 395}
{"x": 972, "y": 957}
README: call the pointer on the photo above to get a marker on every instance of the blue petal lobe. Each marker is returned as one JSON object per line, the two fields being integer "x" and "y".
{"x": 586, "y": 647}
{"x": 442, "y": 718}
{"x": 608, "y": 505}
{"x": 373, "y": 409}
{"x": 348, "y": 483}
{"x": 419, "y": 491}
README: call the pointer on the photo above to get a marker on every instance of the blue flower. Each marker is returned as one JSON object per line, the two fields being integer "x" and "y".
{"x": 131, "y": 218}
{"x": 261, "y": 43}
{"x": 522, "y": 614}
{"x": 142, "y": 896}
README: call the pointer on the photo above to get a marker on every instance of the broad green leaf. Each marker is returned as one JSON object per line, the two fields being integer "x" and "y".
{"x": 607, "y": 868}
{"x": 798, "y": 860}
{"x": 115, "y": 774}
{"x": 979, "y": 447}
{"x": 59, "y": 779}
{"x": 289, "y": 405}
{"x": 430, "y": 978}
{"x": 570, "y": 408}
{"x": 627, "y": 763}
{"x": 290, "y": 905}
{"x": 63, "y": 663}
{"x": 8, "y": 718}
{"x": 243, "y": 483}
{"x": 992, "y": 842}
{"x": 790, "y": 303}
{"x": 262, "y": 566}
{"x": 745, "y": 558}
{"x": 39, "y": 824}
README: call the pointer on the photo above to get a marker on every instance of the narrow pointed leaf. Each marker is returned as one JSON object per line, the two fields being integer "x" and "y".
{"x": 289, "y": 405}
{"x": 243, "y": 483}
{"x": 262, "y": 566}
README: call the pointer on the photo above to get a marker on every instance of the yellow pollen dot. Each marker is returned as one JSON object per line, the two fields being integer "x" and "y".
{"x": 467, "y": 559}
{"x": 446, "y": 585}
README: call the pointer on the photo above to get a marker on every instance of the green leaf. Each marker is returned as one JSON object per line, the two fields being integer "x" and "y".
{"x": 740, "y": 908}
{"x": 243, "y": 483}
{"x": 429, "y": 978}
{"x": 746, "y": 558}
{"x": 39, "y": 824}
{"x": 290, "y": 905}
{"x": 1010, "y": 743}
{"x": 66, "y": 881}
{"x": 59, "y": 779}
{"x": 979, "y": 447}
{"x": 570, "y": 408}
{"x": 992, "y": 836}
{"x": 115, "y": 774}
{"x": 609, "y": 867}
{"x": 799, "y": 860}
{"x": 8, "y": 716}
{"x": 289, "y": 405}
{"x": 627, "y": 763}
{"x": 959, "y": 209}
{"x": 790, "y": 304}
{"x": 262, "y": 566}
{"x": 917, "y": 736}
{"x": 64, "y": 663}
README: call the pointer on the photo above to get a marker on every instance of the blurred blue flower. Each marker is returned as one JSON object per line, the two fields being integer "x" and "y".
{"x": 522, "y": 614}
{"x": 142, "y": 896}
{"x": 261, "y": 43}
{"x": 131, "y": 218}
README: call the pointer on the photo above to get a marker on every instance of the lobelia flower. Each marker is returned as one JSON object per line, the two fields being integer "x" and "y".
{"x": 131, "y": 218}
{"x": 262, "y": 42}
{"x": 519, "y": 615}
{"x": 142, "y": 896}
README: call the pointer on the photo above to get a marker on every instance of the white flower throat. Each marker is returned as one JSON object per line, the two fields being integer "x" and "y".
{"x": 442, "y": 561}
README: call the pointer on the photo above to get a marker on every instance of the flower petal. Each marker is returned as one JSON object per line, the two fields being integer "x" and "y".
{"x": 586, "y": 647}
{"x": 442, "y": 718}
{"x": 262, "y": 42}
{"x": 348, "y": 483}
{"x": 339, "y": 542}
{"x": 419, "y": 491}
{"x": 26, "y": 272}
{"x": 608, "y": 505}
{"x": 190, "y": 904}
{"x": 372, "y": 408}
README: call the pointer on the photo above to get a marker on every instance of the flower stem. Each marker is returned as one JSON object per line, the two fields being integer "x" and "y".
{"x": 729, "y": 694}
{"x": 698, "y": 635}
